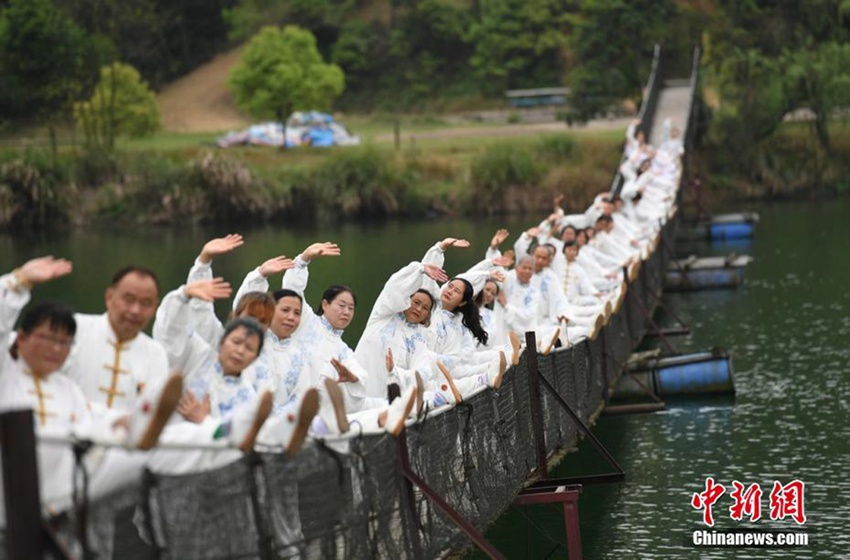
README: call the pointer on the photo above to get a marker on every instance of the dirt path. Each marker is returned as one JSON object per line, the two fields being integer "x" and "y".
{"x": 520, "y": 129}
{"x": 200, "y": 102}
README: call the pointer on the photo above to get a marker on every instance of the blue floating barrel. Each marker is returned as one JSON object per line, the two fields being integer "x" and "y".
{"x": 705, "y": 373}
{"x": 695, "y": 374}
{"x": 730, "y": 230}
{"x": 703, "y": 279}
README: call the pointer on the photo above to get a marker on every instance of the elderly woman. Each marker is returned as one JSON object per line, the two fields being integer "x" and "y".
{"x": 398, "y": 325}
{"x": 219, "y": 401}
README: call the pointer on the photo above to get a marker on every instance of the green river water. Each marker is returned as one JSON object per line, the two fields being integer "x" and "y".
{"x": 787, "y": 327}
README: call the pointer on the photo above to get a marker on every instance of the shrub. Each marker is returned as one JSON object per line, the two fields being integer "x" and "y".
{"x": 357, "y": 182}
{"x": 499, "y": 168}
{"x": 229, "y": 190}
{"x": 35, "y": 191}
{"x": 557, "y": 148}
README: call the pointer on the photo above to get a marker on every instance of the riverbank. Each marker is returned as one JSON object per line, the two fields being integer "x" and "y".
{"x": 438, "y": 168}
{"x": 461, "y": 171}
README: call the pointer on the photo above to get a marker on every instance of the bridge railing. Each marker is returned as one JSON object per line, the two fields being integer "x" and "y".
{"x": 350, "y": 498}
{"x": 648, "y": 105}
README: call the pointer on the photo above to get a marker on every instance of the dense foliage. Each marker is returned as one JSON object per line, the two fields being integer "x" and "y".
{"x": 399, "y": 54}
{"x": 122, "y": 105}
{"x": 762, "y": 60}
{"x": 282, "y": 71}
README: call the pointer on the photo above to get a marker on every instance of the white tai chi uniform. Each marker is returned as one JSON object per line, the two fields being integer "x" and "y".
{"x": 315, "y": 343}
{"x": 59, "y": 409}
{"x": 387, "y": 329}
{"x": 112, "y": 373}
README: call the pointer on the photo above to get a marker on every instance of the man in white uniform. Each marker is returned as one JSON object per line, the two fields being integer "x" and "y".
{"x": 113, "y": 360}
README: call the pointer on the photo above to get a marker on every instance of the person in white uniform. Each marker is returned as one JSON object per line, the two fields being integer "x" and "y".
{"x": 29, "y": 379}
{"x": 113, "y": 360}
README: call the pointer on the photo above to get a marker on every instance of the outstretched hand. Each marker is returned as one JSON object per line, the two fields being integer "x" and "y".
{"x": 556, "y": 202}
{"x": 326, "y": 249}
{"x": 452, "y": 242}
{"x": 497, "y": 275}
{"x": 43, "y": 269}
{"x": 435, "y": 273}
{"x": 192, "y": 409}
{"x": 345, "y": 375}
{"x": 499, "y": 238}
{"x": 275, "y": 265}
{"x": 208, "y": 290}
{"x": 220, "y": 246}
{"x": 389, "y": 360}
{"x": 533, "y": 232}
{"x": 505, "y": 261}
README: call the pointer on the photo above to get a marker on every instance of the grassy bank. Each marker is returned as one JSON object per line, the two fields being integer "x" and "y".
{"x": 179, "y": 178}
{"x": 788, "y": 165}
{"x": 438, "y": 168}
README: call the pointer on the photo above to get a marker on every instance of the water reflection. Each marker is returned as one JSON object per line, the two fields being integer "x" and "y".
{"x": 787, "y": 328}
{"x": 788, "y": 331}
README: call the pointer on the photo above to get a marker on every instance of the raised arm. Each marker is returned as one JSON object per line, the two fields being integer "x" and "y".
{"x": 436, "y": 253}
{"x": 202, "y": 268}
{"x": 15, "y": 287}
{"x": 257, "y": 279}
{"x": 395, "y": 297}
{"x": 493, "y": 250}
{"x": 297, "y": 277}
{"x": 483, "y": 271}
{"x": 523, "y": 243}
{"x": 185, "y": 349}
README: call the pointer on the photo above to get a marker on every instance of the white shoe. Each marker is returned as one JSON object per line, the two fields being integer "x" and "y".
{"x": 399, "y": 410}
{"x": 551, "y": 340}
{"x": 152, "y": 411}
{"x": 298, "y": 419}
{"x": 515, "y": 347}
{"x": 332, "y": 408}
{"x": 448, "y": 388}
{"x": 594, "y": 331}
{"x": 494, "y": 379}
{"x": 247, "y": 421}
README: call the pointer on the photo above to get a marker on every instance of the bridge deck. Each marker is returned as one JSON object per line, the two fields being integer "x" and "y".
{"x": 673, "y": 102}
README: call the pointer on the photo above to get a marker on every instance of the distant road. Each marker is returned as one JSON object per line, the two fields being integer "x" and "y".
{"x": 200, "y": 102}
{"x": 520, "y": 129}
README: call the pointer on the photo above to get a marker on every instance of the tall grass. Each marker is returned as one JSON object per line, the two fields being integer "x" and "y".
{"x": 364, "y": 182}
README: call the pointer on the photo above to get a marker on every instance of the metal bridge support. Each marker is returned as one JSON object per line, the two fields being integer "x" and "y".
{"x": 27, "y": 535}
{"x": 568, "y": 496}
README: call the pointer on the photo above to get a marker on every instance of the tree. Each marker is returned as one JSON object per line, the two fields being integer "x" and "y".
{"x": 819, "y": 80}
{"x": 752, "y": 104}
{"x": 281, "y": 71}
{"x": 518, "y": 42}
{"x": 42, "y": 56}
{"x": 613, "y": 42}
{"x": 122, "y": 105}
{"x": 428, "y": 46}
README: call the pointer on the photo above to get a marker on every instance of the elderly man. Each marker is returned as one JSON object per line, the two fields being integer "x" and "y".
{"x": 29, "y": 378}
{"x": 113, "y": 360}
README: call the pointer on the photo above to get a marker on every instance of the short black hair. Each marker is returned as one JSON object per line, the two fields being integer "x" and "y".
{"x": 286, "y": 292}
{"x": 331, "y": 294}
{"x": 59, "y": 317}
{"x": 570, "y": 244}
{"x": 133, "y": 269}
{"x": 249, "y": 324}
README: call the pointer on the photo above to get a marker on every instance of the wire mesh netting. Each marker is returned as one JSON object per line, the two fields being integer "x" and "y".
{"x": 351, "y": 499}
